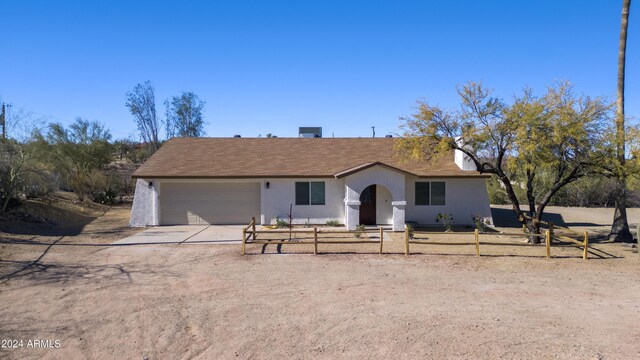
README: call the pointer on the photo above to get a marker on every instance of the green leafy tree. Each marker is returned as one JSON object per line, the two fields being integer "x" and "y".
{"x": 557, "y": 135}
{"x": 184, "y": 116}
{"x": 77, "y": 152}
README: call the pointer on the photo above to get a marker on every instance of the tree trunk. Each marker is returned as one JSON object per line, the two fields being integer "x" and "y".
{"x": 5, "y": 203}
{"x": 533, "y": 227}
{"x": 620, "y": 227}
{"x": 526, "y": 220}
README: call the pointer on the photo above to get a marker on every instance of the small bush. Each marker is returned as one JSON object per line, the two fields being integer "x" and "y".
{"x": 333, "y": 223}
{"x": 40, "y": 183}
{"x": 281, "y": 223}
{"x": 359, "y": 231}
{"x": 410, "y": 231}
{"x": 105, "y": 187}
{"x": 446, "y": 220}
{"x": 480, "y": 222}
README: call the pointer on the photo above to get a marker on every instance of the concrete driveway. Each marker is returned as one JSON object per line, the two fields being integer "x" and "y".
{"x": 186, "y": 234}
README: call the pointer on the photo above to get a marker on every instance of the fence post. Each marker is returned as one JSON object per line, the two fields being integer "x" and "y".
{"x": 381, "y": 239}
{"x": 476, "y": 234}
{"x": 244, "y": 239}
{"x": 406, "y": 240}
{"x": 253, "y": 221}
{"x": 315, "y": 241}
{"x": 547, "y": 240}
{"x": 585, "y": 253}
{"x": 551, "y": 232}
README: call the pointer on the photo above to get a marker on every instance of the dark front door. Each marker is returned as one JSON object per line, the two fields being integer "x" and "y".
{"x": 368, "y": 206}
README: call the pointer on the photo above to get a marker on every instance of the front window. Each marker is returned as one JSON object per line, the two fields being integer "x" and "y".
{"x": 430, "y": 193}
{"x": 310, "y": 193}
{"x": 422, "y": 193}
{"x": 437, "y": 193}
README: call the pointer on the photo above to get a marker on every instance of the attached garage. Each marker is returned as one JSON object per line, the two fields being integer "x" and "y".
{"x": 208, "y": 203}
{"x": 230, "y": 180}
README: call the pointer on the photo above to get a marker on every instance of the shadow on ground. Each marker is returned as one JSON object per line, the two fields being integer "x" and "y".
{"x": 65, "y": 223}
{"x": 44, "y": 272}
{"x": 507, "y": 218}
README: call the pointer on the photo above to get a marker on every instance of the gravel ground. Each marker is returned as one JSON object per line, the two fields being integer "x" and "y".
{"x": 207, "y": 301}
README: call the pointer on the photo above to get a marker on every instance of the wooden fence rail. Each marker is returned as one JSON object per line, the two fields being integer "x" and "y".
{"x": 548, "y": 235}
{"x": 250, "y": 234}
{"x": 249, "y": 237}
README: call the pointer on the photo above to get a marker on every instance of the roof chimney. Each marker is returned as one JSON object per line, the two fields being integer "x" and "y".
{"x": 461, "y": 159}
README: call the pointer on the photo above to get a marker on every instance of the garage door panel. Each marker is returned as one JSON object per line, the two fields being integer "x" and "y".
{"x": 209, "y": 203}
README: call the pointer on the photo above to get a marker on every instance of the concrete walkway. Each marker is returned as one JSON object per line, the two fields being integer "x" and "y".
{"x": 186, "y": 234}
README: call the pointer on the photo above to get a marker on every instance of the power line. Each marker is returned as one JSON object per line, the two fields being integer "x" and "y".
{"x": 45, "y": 115}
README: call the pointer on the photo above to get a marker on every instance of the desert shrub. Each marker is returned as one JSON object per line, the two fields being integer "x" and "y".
{"x": 446, "y": 220}
{"x": 138, "y": 154}
{"x": 40, "y": 183}
{"x": 21, "y": 173}
{"x": 76, "y": 152}
{"x": 280, "y": 223}
{"x": 480, "y": 222}
{"x": 410, "y": 231}
{"x": 333, "y": 223}
{"x": 106, "y": 187}
{"x": 359, "y": 231}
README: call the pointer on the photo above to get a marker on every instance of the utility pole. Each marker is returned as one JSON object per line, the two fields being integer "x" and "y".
{"x": 373, "y": 128}
{"x": 3, "y": 122}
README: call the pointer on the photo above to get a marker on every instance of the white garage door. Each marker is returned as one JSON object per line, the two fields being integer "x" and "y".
{"x": 209, "y": 203}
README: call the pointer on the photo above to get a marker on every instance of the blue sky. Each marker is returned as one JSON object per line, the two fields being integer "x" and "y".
{"x": 271, "y": 66}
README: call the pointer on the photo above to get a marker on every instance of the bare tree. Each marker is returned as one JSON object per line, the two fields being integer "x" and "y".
{"x": 141, "y": 102}
{"x": 620, "y": 226}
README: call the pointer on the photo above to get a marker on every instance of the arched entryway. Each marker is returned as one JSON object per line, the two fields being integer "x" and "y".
{"x": 389, "y": 197}
{"x": 368, "y": 205}
{"x": 375, "y": 205}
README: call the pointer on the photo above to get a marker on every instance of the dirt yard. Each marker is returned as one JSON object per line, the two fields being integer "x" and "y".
{"x": 208, "y": 302}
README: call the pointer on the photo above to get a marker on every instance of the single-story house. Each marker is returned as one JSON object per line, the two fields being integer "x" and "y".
{"x": 350, "y": 180}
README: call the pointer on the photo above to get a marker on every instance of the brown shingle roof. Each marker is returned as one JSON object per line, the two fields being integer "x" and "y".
{"x": 283, "y": 157}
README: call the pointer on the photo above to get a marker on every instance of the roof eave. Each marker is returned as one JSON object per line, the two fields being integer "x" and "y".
{"x": 365, "y": 166}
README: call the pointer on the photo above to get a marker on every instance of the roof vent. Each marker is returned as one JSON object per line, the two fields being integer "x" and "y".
{"x": 388, "y": 136}
{"x": 237, "y": 136}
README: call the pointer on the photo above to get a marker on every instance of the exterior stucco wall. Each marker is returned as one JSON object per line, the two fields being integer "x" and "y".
{"x": 395, "y": 197}
{"x": 379, "y": 175}
{"x": 384, "y": 209}
{"x": 464, "y": 197}
{"x": 282, "y": 193}
{"x": 392, "y": 180}
{"x": 144, "y": 211}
